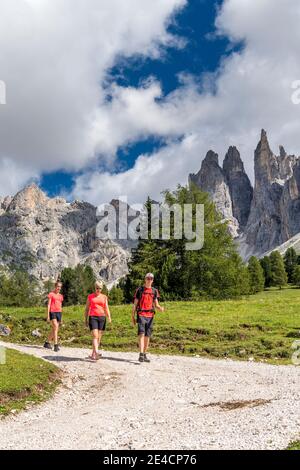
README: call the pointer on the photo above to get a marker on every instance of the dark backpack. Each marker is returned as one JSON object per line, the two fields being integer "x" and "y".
{"x": 139, "y": 295}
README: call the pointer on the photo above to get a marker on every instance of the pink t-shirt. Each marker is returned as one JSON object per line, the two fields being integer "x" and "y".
{"x": 98, "y": 305}
{"x": 56, "y": 301}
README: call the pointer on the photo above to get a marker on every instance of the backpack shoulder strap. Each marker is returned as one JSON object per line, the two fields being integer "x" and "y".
{"x": 139, "y": 294}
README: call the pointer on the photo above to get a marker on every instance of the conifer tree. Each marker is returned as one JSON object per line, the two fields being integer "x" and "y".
{"x": 278, "y": 273}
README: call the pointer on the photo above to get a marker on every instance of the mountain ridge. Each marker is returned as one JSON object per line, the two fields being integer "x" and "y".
{"x": 43, "y": 235}
{"x": 262, "y": 217}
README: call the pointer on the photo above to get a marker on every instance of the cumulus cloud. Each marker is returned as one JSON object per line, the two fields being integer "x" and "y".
{"x": 251, "y": 90}
{"x": 14, "y": 176}
{"x": 54, "y": 58}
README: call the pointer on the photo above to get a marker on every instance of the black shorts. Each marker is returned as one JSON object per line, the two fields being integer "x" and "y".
{"x": 56, "y": 316}
{"x": 97, "y": 323}
{"x": 145, "y": 325}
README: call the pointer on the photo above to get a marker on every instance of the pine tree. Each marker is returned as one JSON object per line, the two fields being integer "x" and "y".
{"x": 19, "y": 289}
{"x": 77, "y": 283}
{"x": 266, "y": 266}
{"x": 278, "y": 273}
{"x": 216, "y": 271}
{"x": 290, "y": 262}
{"x": 296, "y": 276}
{"x": 256, "y": 274}
{"x": 116, "y": 296}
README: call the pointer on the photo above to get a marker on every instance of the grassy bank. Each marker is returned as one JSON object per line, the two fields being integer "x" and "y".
{"x": 25, "y": 380}
{"x": 294, "y": 446}
{"x": 263, "y": 326}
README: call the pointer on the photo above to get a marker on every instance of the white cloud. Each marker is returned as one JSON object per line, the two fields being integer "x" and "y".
{"x": 253, "y": 91}
{"x": 67, "y": 51}
{"x": 14, "y": 176}
{"x": 54, "y": 57}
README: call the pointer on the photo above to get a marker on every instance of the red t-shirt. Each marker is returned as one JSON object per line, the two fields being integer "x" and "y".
{"x": 98, "y": 305}
{"x": 146, "y": 297}
{"x": 56, "y": 301}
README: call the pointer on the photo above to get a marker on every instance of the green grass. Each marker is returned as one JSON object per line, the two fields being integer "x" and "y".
{"x": 263, "y": 326}
{"x": 294, "y": 446}
{"x": 25, "y": 380}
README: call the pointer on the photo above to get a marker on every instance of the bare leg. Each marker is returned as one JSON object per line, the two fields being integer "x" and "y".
{"x": 55, "y": 331}
{"x": 99, "y": 341}
{"x": 142, "y": 343}
{"x": 146, "y": 344}
{"x": 95, "y": 336}
{"x": 53, "y": 336}
{"x": 50, "y": 337}
{"x": 100, "y": 338}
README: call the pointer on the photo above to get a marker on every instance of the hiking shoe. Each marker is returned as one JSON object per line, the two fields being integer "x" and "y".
{"x": 146, "y": 359}
{"x": 47, "y": 345}
{"x": 56, "y": 348}
{"x": 141, "y": 357}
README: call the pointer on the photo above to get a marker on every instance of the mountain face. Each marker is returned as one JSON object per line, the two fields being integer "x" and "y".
{"x": 44, "y": 235}
{"x": 241, "y": 191}
{"x": 268, "y": 215}
{"x": 211, "y": 179}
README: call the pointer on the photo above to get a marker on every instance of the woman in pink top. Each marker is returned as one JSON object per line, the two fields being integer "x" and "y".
{"x": 96, "y": 311}
{"x": 54, "y": 315}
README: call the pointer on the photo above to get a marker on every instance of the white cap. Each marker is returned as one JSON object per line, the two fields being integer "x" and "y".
{"x": 149, "y": 275}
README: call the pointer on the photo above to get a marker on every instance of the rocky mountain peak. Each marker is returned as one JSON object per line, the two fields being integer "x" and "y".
{"x": 210, "y": 173}
{"x": 241, "y": 191}
{"x": 211, "y": 179}
{"x": 28, "y": 199}
{"x": 43, "y": 235}
{"x": 265, "y": 163}
{"x": 211, "y": 158}
{"x": 233, "y": 162}
{"x": 282, "y": 151}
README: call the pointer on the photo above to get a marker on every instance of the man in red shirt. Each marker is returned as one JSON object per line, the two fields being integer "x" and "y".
{"x": 145, "y": 303}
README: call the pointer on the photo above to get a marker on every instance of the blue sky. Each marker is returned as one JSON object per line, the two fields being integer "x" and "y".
{"x": 201, "y": 53}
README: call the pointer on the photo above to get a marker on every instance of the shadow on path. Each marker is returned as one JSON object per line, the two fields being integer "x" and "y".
{"x": 65, "y": 359}
{"x": 118, "y": 359}
{"x": 40, "y": 348}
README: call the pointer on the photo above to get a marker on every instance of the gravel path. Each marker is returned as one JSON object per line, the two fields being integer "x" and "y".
{"x": 172, "y": 403}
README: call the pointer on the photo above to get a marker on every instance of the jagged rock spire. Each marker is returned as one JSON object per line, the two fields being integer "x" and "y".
{"x": 282, "y": 151}
{"x": 241, "y": 191}
{"x": 211, "y": 179}
{"x": 233, "y": 161}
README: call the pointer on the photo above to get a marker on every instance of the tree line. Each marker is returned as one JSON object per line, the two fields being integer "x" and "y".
{"x": 215, "y": 272}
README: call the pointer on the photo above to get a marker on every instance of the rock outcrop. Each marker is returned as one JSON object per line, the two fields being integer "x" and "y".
{"x": 43, "y": 235}
{"x": 212, "y": 180}
{"x": 241, "y": 191}
{"x": 268, "y": 215}
{"x": 275, "y": 210}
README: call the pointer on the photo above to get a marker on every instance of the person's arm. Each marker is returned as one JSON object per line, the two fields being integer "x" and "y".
{"x": 134, "y": 307}
{"x": 48, "y": 310}
{"x": 86, "y": 313}
{"x": 159, "y": 307}
{"x": 107, "y": 311}
{"x": 62, "y": 299}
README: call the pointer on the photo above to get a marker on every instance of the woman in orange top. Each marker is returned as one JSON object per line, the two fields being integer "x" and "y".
{"x": 54, "y": 315}
{"x": 96, "y": 311}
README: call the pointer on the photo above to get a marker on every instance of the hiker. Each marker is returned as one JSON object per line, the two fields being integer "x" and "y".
{"x": 145, "y": 303}
{"x": 96, "y": 312}
{"x": 54, "y": 315}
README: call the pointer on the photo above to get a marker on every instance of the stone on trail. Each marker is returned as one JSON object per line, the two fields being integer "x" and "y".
{"x": 36, "y": 333}
{"x": 4, "y": 330}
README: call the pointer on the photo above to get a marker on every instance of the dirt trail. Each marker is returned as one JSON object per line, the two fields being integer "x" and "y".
{"x": 172, "y": 403}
